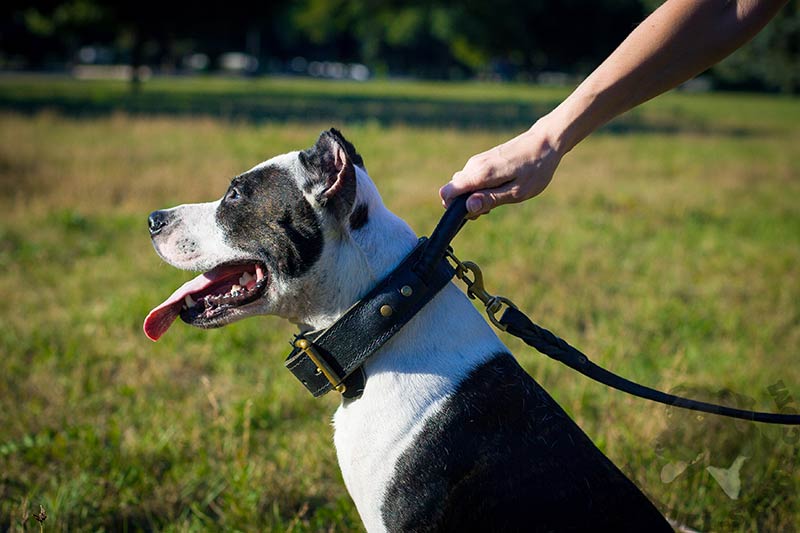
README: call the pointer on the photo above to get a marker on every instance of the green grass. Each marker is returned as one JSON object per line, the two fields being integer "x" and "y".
{"x": 667, "y": 248}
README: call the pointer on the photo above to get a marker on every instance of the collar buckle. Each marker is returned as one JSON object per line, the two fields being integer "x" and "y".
{"x": 330, "y": 374}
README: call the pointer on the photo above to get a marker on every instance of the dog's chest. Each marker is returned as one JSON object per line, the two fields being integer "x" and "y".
{"x": 415, "y": 374}
{"x": 368, "y": 444}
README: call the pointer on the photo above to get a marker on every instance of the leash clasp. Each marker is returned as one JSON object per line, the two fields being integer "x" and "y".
{"x": 476, "y": 289}
{"x": 322, "y": 365}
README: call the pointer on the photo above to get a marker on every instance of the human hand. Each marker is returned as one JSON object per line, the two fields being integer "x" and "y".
{"x": 514, "y": 171}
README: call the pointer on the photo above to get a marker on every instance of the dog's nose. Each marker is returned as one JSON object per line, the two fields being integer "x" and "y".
{"x": 156, "y": 221}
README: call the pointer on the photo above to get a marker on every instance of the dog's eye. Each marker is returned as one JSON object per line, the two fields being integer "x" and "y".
{"x": 233, "y": 194}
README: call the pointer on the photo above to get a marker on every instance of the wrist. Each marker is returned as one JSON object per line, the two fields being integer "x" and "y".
{"x": 590, "y": 105}
{"x": 555, "y": 131}
{"x": 570, "y": 122}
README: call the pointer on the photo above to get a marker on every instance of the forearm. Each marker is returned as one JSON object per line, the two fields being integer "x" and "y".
{"x": 676, "y": 42}
{"x": 679, "y": 40}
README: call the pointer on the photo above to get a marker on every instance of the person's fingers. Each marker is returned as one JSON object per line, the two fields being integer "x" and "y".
{"x": 461, "y": 182}
{"x": 447, "y": 194}
{"x": 471, "y": 179}
{"x": 483, "y": 201}
{"x": 474, "y": 203}
{"x": 484, "y": 197}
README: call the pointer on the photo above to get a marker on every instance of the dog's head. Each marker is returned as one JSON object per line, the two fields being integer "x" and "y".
{"x": 282, "y": 240}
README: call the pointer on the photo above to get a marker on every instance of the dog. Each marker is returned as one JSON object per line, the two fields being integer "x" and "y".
{"x": 450, "y": 433}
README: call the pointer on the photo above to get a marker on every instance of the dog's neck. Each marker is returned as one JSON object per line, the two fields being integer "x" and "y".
{"x": 353, "y": 261}
{"x": 412, "y": 374}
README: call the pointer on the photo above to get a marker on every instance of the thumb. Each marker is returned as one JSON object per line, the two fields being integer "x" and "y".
{"x": 483, "y": 201}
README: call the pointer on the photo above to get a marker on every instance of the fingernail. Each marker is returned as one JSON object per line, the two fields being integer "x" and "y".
{"x": 444, "y": 196}
{"x": 474, "y": 204}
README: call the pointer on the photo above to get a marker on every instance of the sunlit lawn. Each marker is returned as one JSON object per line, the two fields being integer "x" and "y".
{"x": 667, "y": 249}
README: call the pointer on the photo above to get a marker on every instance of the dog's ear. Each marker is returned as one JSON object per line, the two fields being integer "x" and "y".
{"x": 331, "y": 166}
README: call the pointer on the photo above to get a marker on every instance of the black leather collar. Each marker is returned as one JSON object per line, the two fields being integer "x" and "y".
{"x": 333, "y": 358}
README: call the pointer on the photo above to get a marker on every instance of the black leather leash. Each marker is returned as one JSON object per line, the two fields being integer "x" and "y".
{"x": 332, "y": 359}
{"x": 521, "y": 326}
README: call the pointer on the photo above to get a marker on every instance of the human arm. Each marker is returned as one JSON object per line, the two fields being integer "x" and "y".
{"x": 677, "y": 41}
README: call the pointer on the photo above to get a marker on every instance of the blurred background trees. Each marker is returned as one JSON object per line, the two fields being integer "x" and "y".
{"x": 536, "y": 40}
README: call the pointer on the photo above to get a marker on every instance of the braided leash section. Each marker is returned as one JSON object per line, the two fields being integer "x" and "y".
{"x": 519, "y": 325}
{"x": 543, "y": 340}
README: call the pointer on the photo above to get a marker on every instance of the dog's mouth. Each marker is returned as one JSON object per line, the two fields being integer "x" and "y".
{"x": 207, "y": 299}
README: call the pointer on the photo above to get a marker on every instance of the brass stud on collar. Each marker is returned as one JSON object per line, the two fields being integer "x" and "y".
{"x": 406, "y": 291}
{"x": 386, "y": 310}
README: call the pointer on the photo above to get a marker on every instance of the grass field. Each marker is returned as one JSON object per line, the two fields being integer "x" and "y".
{"x": 667, "y": 248}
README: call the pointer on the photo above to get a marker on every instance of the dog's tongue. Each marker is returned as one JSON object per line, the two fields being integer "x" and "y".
{"x": 161, "y": 318}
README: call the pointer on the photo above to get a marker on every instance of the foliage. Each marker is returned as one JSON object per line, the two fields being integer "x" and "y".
{"x": 504, "y": 39}
{"x": 771, "y": 60}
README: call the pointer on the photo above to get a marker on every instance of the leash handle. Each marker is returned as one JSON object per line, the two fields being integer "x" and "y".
{"x": 451, "y": 222}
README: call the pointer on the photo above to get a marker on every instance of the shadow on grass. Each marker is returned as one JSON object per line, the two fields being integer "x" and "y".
{"x": 284, "y": 106}
{"x": 316, "y": 107}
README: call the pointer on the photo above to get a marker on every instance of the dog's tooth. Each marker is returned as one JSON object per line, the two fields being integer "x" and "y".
{"x": 245, "y": 279}
{"x": 189, "y": 301}
{"x": 236, "y": 288}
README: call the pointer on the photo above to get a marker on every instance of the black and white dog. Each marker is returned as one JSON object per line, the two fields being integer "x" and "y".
{"x": 450, "y": 433}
